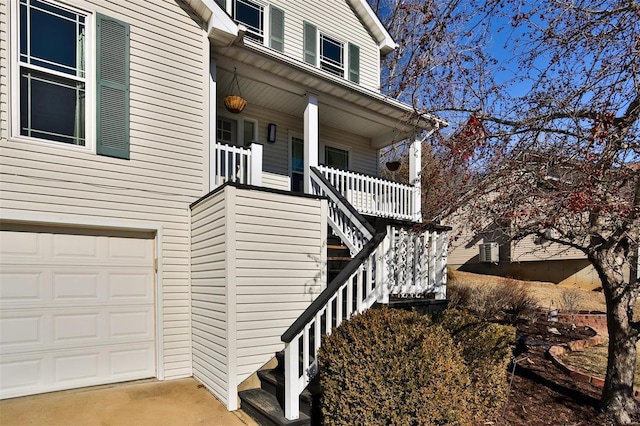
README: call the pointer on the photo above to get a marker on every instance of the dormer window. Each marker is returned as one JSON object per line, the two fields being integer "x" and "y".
{"x": 251, "y": 14}
{"x": 331, "y": 55}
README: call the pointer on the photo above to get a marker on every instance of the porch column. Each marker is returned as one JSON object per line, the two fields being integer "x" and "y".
{"x": 311, "y": 131}
{"x": 213, "y": 122}
{"x": 415, "y": 167}
{"x": 255, "y": 173}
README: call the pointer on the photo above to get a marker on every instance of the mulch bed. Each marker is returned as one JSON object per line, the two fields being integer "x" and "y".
{"x": 541, "y": 394}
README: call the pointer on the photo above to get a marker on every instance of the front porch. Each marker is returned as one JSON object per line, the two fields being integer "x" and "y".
{"x": 296, "y": 120}
{"x": 369, "y": 195}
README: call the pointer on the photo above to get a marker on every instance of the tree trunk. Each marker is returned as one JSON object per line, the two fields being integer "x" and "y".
{"x": 617, "y": 396}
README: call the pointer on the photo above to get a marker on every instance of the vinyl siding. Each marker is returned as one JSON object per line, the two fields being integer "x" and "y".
{"x": 364, "y": 159}
{"x": 258, "y": 261}
{"x": 528, "y": 250}
{"x": 209, "y": 294}
{"x": 168, "y": 63}
{"x": 336, "y": 19}
{"x": 280, "y": 269}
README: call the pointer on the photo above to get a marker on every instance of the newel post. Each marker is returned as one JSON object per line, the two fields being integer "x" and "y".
{"x": 415, "y": 166}
{"x": 256, "y": 165}
{"x": 291, "y": 380}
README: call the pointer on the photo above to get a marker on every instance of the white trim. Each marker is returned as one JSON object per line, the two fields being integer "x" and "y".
{"x": 89, "y": 79}
{"x": 230, "y": 265}
{"x": 311, "y": 135}
{"x": 220, "y": 26}
{"x": 213, "y": 118}
{"x": 385, "y": 42}
{"x": 79, "y": 222}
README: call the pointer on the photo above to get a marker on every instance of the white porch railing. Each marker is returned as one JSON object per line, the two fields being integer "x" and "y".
{"x": 375, "y": 196}
{"x": 237, "y": 164}
{"x": 345, "y": 222}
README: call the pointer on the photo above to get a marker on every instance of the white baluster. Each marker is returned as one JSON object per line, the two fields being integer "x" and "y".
{"x": 305, "y": 350}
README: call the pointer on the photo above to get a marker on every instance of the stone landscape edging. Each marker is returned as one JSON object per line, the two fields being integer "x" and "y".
{"x": 556, "y": 351}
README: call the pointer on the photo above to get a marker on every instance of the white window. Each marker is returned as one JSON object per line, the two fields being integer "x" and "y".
{"x": 52, "y": 72}
{"x": 251, "y": 14}
{"x": 336, "y": 157}
{"x": 236, "y": 132}
{"x": 227, "y": 131}
{"x": 58, "y": 94}
{"x": 331, "y": 55}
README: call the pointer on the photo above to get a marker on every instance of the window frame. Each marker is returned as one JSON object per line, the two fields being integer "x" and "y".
{"x": 330, "y": 62}
{"x": 240, "y": 121}
{"x": 264, "y": 16}
{"x": 331, "y": 145}
{"x": 89, "y": 78}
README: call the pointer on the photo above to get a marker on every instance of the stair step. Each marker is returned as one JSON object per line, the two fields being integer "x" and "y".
{"x": 264, "y": 408}
{"x": 272, "y": 380}
{"x": 339, "y": 258}
{"x": 337, "y": 247}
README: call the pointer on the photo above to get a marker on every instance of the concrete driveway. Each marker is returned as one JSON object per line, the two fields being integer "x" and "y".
{"x": 149, "y": 402}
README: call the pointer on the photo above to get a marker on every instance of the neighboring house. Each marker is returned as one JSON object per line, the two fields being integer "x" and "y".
{"x": 148, "y": 232}
{"x": 531, "y": 258}
{"x": 492, "y": 251}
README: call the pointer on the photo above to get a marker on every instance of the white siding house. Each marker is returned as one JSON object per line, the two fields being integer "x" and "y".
{"x": 69, "y": 186}
{"x": 147, "y": 230}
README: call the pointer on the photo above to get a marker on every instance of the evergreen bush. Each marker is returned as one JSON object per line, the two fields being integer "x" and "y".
{"x": 393, "y": 367}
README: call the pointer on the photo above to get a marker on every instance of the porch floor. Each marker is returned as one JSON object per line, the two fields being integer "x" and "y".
{"x": 148, "y": 402}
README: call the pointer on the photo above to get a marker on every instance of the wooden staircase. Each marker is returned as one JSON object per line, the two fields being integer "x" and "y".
{"x": 338, "y": 256}
{"x": 265, "y": 404}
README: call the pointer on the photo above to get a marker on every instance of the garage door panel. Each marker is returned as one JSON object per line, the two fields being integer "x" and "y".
{"x": 67, "y": 369}
{"x": 73, "y": 246}
{"x": 21, "y": 285}
{"x": 76, "y": 310}
{"x": 130, "y": 285}
{"x": 21, "y": 245}
{"x": 129, "y": 249}
{"x": 20, "y": 373}
{"x": 63, "y": 328}
{"x": 21, "y": 330}
{"x": 70, "y": 285}
{"x": 133, "y": 324}
{"x": 75, "y": 285}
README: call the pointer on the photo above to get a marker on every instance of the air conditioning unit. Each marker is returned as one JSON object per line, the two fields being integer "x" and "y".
{"x": 489, "y": 252}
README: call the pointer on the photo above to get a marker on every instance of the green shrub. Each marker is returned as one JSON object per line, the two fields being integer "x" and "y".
{"x": 393, "y": 367}
{"x": 486, "y": 349}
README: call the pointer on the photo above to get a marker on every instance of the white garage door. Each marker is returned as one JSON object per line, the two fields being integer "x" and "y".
{"x": 75, "y": 310}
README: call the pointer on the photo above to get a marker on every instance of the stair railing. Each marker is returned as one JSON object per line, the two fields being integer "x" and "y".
{"x": 373, "y": 195}
{"x": 344, "y": 219}
{"x": 358, "y": 286}
{"x": 416, "y": 262}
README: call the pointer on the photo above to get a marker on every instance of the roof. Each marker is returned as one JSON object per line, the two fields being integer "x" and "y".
{"x": 221, "y": 27}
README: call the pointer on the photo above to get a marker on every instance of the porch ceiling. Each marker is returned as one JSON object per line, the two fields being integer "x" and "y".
{"x": 280, "y": 85}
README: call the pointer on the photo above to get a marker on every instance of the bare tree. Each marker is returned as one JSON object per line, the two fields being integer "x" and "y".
{"x": 556, "y": 86}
